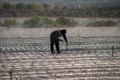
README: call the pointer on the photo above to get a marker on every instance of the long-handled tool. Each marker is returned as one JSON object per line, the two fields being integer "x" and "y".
{"x": 66, "y": 48}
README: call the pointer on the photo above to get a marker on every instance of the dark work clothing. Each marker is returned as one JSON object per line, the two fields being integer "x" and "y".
{"x": 54, "y": 39}
{"x": 56, "y": 43}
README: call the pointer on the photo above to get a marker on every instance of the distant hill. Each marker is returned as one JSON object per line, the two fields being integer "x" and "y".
{"x": 71, "y": 3}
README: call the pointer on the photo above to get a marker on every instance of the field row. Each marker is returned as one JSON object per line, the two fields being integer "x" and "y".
{"x": 43, "y": 44}
{"x": 84, "y": 59}
{"x": 41, "y": 66}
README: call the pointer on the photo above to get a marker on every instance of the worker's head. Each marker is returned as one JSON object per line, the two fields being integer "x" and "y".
{"x": 63, "y": 31}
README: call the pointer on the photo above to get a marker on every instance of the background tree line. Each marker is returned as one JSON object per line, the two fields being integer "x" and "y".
{"x": 39, "y": 22}
{"x": 25, "y": 10}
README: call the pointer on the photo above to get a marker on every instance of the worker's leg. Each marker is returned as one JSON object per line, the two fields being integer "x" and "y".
{"x": 52, "y": 46}
{"x": 57, "y": 46}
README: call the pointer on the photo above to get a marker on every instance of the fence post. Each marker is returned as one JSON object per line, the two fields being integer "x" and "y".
{"x": 79, "y": 38}
{"x": 113, "y": 50}
{"x": 10, "y": 73}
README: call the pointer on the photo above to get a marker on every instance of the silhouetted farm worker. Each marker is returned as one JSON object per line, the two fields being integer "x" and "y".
{"x": 54, "y": 39}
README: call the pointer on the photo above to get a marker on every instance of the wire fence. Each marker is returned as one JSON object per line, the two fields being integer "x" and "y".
{"x": 80, "y": 44}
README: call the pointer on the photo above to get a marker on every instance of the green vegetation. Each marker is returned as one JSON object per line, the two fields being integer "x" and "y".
{"x": 103, "y": 23}
{"x": 9, "y": 23}
{"x": 36, "y": 21}
{"x": 30, "y": 9}
{"x": 66, "y": 22}
{"x": 39, "y": 22}
{"x": 0, "y": 23}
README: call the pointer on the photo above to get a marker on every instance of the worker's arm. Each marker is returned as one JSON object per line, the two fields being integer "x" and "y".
{"x": 64, "y": 36}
